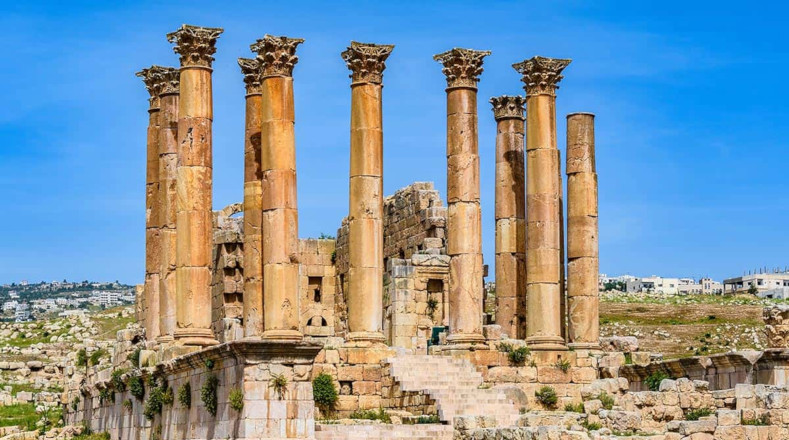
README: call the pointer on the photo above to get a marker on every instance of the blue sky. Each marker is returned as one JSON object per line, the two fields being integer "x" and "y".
{"x": 690, "y": 100}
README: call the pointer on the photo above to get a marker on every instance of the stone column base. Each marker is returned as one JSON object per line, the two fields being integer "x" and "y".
{"x": 284, "y": 336}
{"x": 584, "y": 345}
{"x": 553, "y": 343}
{"x": 373, "y": 337}
{"x": 200, "y": 337}
{"x": 465, "y": 338}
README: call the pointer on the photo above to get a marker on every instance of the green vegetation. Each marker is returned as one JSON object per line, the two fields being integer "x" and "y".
{"x": 185, "y": 395}
{"x": 562, "y": 364}
{"x": 92, "y": 436}
{"x": 653, "y": 380}
{"x": 208, "y": 394}
{"x": 209, "y": 363}
{"x": 106, "y": 395}
{"x": 117, "y": 380}
{"x": 97, "y": 356}
{"x": 82, "y": 358}
{"x": 753, "y": 290}
{"x": 615, "y": 285}
{"x": 427, "y": 419}
{"x": 432, "y": 305}
{"x": 758, "y": 421}
{"x": 236, "y": 398}
{"x": 370, "y": 414}
{"x": 155, "y": 402}
{"x": 576, "y": 408}
{"x": 606, "y": 399}
{"x": 516, "y": 356}
{"x": 109, "y": 323}
{"x": 134, "y": 357}
{"x": 594, "y": 426}
{"x": 136, "y": 387}
{"x": 279, "y": 382}
{"x": 75, "y": 403}
{"x": 22, "y": 414}
{"x": 324, "y": 392}
{"x": 547, "y": 396}
{"x": 696, "y": 414}
{"x": 128, "y": 405}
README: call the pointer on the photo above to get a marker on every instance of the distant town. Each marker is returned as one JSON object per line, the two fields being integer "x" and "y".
{"x": 762, "y": 282}
{"x": 24, "y": 301}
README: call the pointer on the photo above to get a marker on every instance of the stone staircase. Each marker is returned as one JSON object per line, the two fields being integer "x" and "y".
{"x": 454, "y": 384}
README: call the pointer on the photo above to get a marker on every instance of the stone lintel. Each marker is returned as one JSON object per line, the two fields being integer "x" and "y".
{"x": 508, "y": 107}
{"x": 247, "y": 352}
{"x": 462, "y": 67}
{"x": 250, "y": 68}
{"x": 276, "y": 55}
{"x": 195, "y": 44}
{"x": 367, "y": 61}
{"x": 541, "y": 75}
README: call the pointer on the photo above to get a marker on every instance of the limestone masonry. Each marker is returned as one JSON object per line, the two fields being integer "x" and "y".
{"x": 239, "y": 315}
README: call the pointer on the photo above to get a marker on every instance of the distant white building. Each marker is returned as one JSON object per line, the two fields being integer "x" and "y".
{"x": 10, "y": 305}
{"x": 13, "y": 294}
{"x": 22, "y": 313}
{"x": 673, "y": 286}
{"x": 767, "y": 284}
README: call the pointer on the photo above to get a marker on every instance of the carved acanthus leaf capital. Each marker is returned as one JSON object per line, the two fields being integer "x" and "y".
{"x": 367, "y": 61}
{"x": 276, "y": 55}
{"x": 171, "y": 81}
{"x": 541, "y": 75}
{"x": 250, "y": 68}
{"x": 462, "y": 67}
{"x": 153, "y": 79}
{"x": 508, "y": 107}
{"x": 196, "y": 45}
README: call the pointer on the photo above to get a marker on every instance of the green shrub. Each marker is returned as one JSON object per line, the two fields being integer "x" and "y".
{"x": 594, "y": 426}
{"x": 427, "y": 419}
{"x": 236, "y": 398}
{"x": 696, "y": 414}
{"x": 105, "y": 395}
{"x": 370, "y": 414}
{"x": 154, "y": 403}
{"x": 547, "y": 396}
{"x": 279, "y": 382}
{"x": 185, "y": 395}
{"x": 653, "y": 380}
{"x": 432, "y": 305}
{"x": 117, "y": 381}
{"x": 606, "y": 400}
{"x": 97, "y": 356}
{"x": 82, "y": 358}
{"x": 208, "y": 394}
{"x": 562, "y": 364}
{"x": 128, "y": 405}
{"x": 136, "y": 387}
{"x": 75, "y": 403}
{"x": 134, "y": 357}
{"x": 517, "y": 356}
{"x": 576, "y": 408}
{"x": 324, "y": 392}
{"x": 505, "y": 347}
{"x": 209, "y": 363}
{"x": 167, "y": 395}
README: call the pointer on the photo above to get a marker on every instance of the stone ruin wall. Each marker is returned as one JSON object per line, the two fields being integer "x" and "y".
{"x": 416, "y": 271}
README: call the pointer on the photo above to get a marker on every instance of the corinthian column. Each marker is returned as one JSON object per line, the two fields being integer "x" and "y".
{"x": 168, "y": 162}
{"x": 462, "y": 68}
{"x": 365, "y": 214}
{"x": 153, "y": 82}
{"x": 253, "y": 201}
{"x": 582, "y": 230}
{"x": 510, "y": 216}
{"x": 280, "y": 219}
{"x": 544, "y": 326}
{"x": 194, "y": 217}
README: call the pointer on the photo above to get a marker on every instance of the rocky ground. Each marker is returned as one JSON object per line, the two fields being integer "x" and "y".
{"x": 682, "y": 326}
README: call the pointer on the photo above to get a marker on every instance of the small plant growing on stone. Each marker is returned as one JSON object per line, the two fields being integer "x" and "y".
{"x": 75, "y": 403}
{"x": 208, "y": 394}
{"x": 370, "y": 414}
{"x": 505, "y": 347}
{"x": 279, "y": 382}
{"x": 154, "y": 403}
{"x": 136, "y": 387}
{"x": 757, "y": 421}
{"x": 82, "y": 358}
{"x": 653, "y": 380}
{"x": 116, "y": 380}
{"x": 185, "y": 395}
{"x": 628, "y": 359}
{"x": 562, "y": 364}
{"x": 209, "y": 363}
{"x": 236, "y": 398}
{"x": 696, "y": 414}
{"x": 324, "y": 392}
{"x": 97, "y": 356}
{"x": 606, "y": 400}
{"x": 576, "y": 408}
{"x": 432, "y": 305}
{"x": 134, "y": 357}
{"x": 128, "y": 405}
{"x": 167, "y": 395}
{"x": 517, "y": 356}
{"x": 594, "y": 426}
{"x": 547, "y": 396}
{"x": 427, "y": 419}
{"x": 106, "y": 395}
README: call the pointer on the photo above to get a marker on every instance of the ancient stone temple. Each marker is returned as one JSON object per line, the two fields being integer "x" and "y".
{"x": 239, "y": 314}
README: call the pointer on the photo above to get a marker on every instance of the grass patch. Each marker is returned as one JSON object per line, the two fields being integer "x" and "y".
{"x": 696, "y": 414}
{"x": 371, "y": 414}
{"x": 23, "y": 414}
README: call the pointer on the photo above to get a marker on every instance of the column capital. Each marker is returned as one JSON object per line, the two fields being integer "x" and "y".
{"x": 171, "y": 81}
{"x": 195, "y": 44}
{"x": 508, "y": 107}
{"x": 250, "y": 68}
{"x": 462, "y": 67}
{"x": 153, "y": 79}
{"x": 276, "y": 55}
{"x": 541, "y": 75}
{"x": 367, "y": 61}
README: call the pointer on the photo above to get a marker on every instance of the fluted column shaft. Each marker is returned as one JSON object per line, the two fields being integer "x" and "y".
{"x": 365, "y": 213}
{"x": 543, "y": 205}
{"x": 510, "y": 216}
{"x": 582, "y": 233}
{"x": 168, "y": 163}
{"x": 464, "y": 216}
{"x": 253, "y": 202}
{"x": 279, "y": 221}
{"x": 194, "y": 216}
